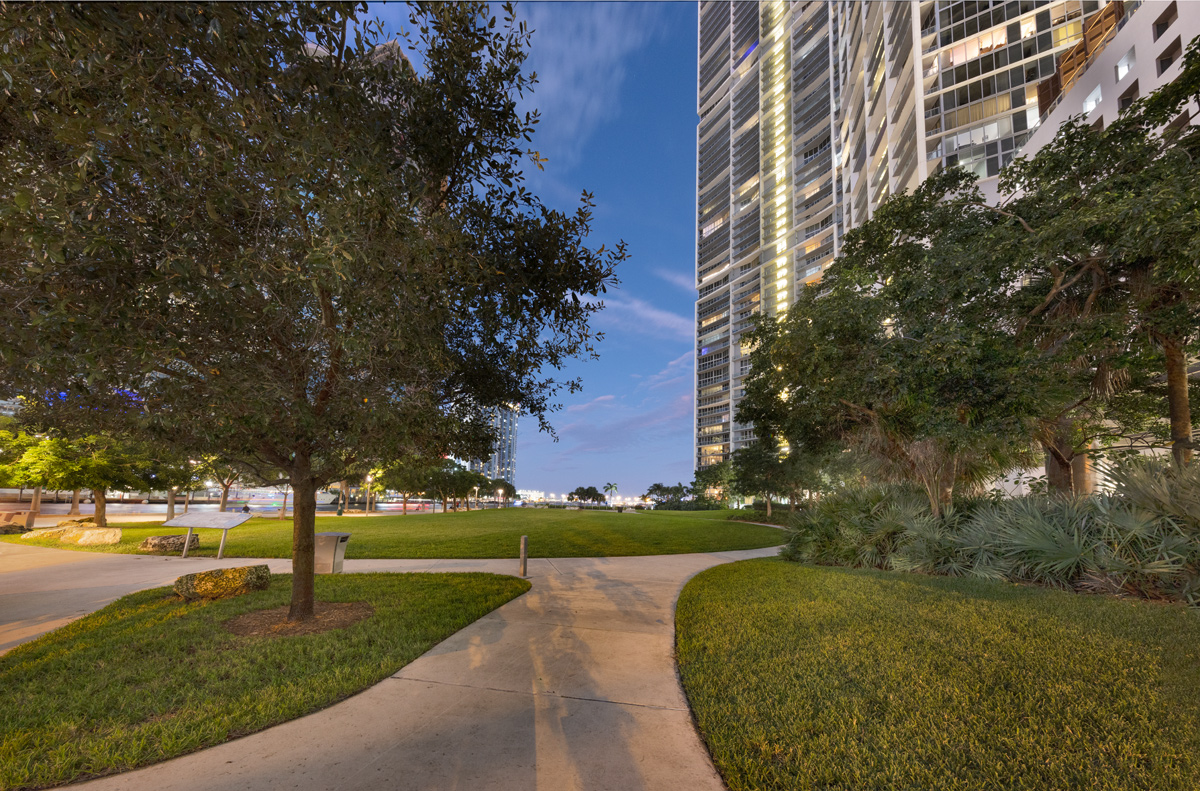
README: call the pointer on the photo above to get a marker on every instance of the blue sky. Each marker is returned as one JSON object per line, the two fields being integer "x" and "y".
{"x": 617, "y": 99}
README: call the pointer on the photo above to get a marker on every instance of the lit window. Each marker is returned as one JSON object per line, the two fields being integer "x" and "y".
{"x": 1126, "y": 64}
{"x": 1092, "y": 101}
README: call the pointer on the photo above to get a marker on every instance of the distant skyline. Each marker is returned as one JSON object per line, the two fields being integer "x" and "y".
{"x": 616, "y": 93}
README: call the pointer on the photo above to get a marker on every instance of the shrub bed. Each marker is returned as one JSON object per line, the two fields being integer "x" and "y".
{"x": 1142, "y": 540}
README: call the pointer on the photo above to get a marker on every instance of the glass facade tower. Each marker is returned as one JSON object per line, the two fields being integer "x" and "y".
{"x": 811, "y": 114}
{"x": 503, "y": 461}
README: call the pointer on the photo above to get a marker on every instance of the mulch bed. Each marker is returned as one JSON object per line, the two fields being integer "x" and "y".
{"x": 273, "y": 623}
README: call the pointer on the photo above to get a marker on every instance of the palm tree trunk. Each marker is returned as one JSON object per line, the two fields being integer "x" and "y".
{"x": 1177, "y": 402}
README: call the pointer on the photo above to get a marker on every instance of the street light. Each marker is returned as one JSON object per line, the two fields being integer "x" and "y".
{"x": 368, "y": 504}
{"x": 498, "y": 497}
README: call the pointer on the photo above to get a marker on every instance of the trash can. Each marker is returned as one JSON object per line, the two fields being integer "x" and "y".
{"x": 331, "y": 551}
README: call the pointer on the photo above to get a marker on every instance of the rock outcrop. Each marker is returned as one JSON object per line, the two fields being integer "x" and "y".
{"x": 223, "y": 583}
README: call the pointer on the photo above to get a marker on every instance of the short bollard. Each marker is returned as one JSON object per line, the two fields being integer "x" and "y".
{"x": 524, "y": 555}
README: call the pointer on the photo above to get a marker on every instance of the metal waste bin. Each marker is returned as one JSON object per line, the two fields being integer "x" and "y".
{"x": 331, "y": 551}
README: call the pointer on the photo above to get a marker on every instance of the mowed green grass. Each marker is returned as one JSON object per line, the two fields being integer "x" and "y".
{"x": 477, "y": 534}
{"x": 150, "y": 677}
{"x": 824, "y": 678}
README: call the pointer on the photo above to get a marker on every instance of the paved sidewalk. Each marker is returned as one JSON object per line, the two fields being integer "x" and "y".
{"x": 571, "y": 686}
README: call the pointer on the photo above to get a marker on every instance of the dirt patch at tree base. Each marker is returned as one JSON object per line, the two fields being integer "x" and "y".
{"x": 327, "y": 616}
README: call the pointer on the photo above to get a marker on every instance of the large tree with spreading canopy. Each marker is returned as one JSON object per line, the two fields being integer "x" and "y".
{"x": 256, "y": 230}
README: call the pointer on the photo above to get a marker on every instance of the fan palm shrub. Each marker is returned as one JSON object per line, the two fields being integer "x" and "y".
{"x": 1143, "y": 540}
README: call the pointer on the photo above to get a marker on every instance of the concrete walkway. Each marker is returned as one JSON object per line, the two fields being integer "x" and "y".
{"x": 571, "y": 686}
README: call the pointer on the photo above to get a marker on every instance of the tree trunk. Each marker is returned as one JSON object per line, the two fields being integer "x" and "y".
{"x": 445, "y": 510}
{"x": 20, "y": 494}
{"x": 187, "y": 501}
{"x": 35, "y": 504}
{"x": 170, "y": 505}
{"x": 1083, "y": 478}
{"x": 404, "y": 510}
{"x": 74, "y": 503}
{"x": 1177, "y": 403}
{"x": 224, "y": 495}
{"x": 304, "y": 522}
{"x": 1060, "y": 459}
{"x": 768, "y": 506}
{"x": 100, "y": 516}
{"x": 283, "y": 508}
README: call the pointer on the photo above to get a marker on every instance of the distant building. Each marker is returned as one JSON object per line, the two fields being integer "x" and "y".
{"x": 503, "y": 462}
{"x": 533, "y": 495}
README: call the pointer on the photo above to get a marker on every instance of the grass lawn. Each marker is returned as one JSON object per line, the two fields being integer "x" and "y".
{"x": 821, "y": 678}
{"x": 150, "y": 677}
{"x": 478, "y": 534}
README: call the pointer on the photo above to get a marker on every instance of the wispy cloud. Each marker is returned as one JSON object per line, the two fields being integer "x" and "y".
{"x": 677, "y": 370}
{"x": 669, "y": 418}
{"x": 604, "y": 400}
{"x": 677, "y": 279}
{"x": 636, "y": 314}
{"x": 579, "y": 51}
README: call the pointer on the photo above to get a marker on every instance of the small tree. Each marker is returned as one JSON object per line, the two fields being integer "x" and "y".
{"x": 224, "y": 471}
{"x": 505, "y": 489}
{"x": 444, "y": 481}
{"x": 758, "y": 469}
{"x": 98, "y": 462}
{"x": 715, "y": 482}
{"x": 172, "y": 473}
{"x": 409, "y": 476}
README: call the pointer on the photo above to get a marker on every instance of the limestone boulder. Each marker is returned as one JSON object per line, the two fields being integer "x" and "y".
{"x": 80, "y": 521}
{"x": 168, "y": 543}
{"x": 223, "y": 583}
{"x": 90, "y": 536}
{"x": 45, "y": 532}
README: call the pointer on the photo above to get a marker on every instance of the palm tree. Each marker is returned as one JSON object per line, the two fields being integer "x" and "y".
{"x": 610, "y": 489}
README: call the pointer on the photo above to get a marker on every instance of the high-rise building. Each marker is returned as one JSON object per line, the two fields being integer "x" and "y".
{"x": 503, "y": 461}
{"x": 812, "y": 113}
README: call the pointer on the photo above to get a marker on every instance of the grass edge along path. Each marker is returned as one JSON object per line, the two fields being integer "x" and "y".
{"x": 474, "y": 534}
{"x": 804, "y": 677}
{"x": 150, "y": 677}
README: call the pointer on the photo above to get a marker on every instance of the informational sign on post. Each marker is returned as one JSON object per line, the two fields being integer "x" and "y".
{"x": 208, "y": 520}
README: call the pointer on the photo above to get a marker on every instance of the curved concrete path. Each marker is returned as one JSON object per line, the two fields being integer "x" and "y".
{"x": 571, "y": 686}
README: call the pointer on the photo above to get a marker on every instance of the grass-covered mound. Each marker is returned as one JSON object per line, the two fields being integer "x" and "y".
{"x": 150, "y": 677}
{"x": 825, "y": 678}
{"x": 477, "y": 534}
